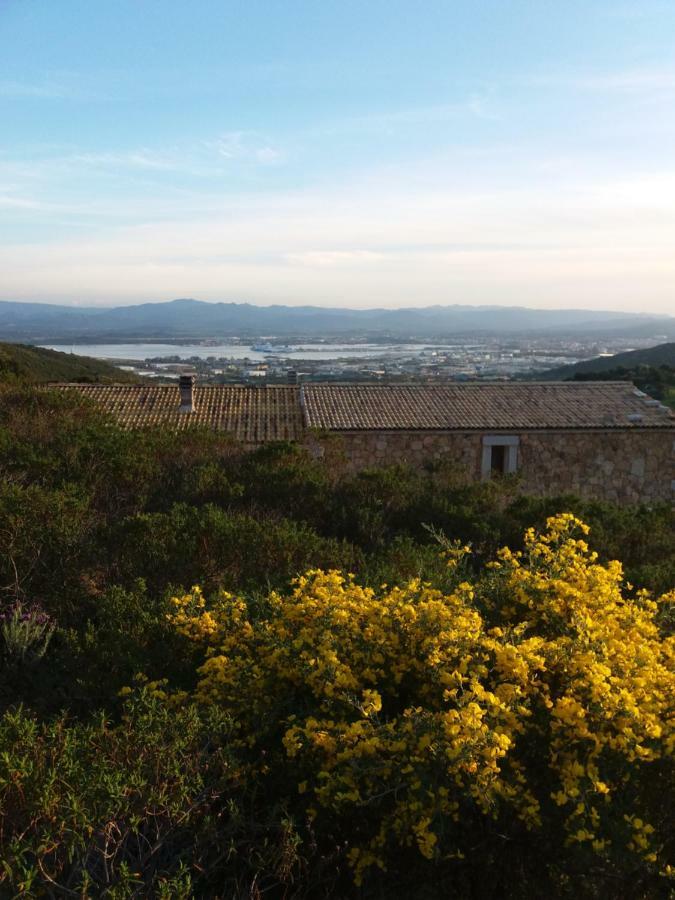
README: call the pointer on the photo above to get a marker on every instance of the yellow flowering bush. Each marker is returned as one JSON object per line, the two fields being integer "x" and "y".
{"x": 534, "y": 699}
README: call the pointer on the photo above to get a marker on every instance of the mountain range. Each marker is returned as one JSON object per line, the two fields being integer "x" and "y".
{"x": 190, "y": 319}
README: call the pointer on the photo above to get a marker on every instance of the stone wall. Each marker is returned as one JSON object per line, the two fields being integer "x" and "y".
{"x": 626, "y": 467}
{"x": 622, "y": 466}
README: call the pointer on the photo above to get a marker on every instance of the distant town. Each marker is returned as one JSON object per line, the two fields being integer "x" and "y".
{"x": 271, "y": 360}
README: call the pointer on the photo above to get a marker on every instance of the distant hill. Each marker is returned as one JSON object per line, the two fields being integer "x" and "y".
{"x": 185, "y": 319}
{"x": 661, "y": 355}
{"x": 651, "y": 370}
{"x": 18, "y": 361}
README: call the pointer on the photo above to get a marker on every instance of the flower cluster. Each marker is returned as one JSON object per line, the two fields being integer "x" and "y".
{"x": 25, "y": 633}
{"x": 537, "y": 695}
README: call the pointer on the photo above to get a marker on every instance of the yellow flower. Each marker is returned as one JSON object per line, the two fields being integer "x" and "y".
{"x": 414, "y": 703}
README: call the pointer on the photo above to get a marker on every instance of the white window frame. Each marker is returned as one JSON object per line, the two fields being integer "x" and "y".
{"x": 510, "y": 442}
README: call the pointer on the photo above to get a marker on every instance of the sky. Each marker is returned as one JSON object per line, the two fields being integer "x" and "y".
{"x": 339, "y": 152}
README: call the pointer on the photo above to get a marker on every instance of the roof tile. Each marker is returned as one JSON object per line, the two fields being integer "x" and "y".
{"x": 495, "y": 406}
{"x": 251, "y": 414}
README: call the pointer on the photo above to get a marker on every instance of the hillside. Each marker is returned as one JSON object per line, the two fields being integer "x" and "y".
{"x": 661, "y": 355}
{"x": 651, "y": 370}
{"x": 18, "y": 361}
{"x": 181, "y": 319}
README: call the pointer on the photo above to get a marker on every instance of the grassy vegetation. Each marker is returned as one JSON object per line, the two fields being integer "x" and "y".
{"x": 20, "y": 362}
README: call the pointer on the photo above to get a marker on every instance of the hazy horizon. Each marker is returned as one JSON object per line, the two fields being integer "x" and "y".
{"x": 363, "y": 156}
{"x": 353, "y": 308}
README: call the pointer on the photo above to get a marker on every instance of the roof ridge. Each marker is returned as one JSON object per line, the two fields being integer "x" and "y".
{"x": 463, "y": 384}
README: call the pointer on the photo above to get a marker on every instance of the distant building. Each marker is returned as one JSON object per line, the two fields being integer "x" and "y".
{"x": 603, "y": 440}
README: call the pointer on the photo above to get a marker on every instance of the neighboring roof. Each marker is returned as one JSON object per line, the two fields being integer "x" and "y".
{"x": 251, "y": 414}
{"x": 257, "y": 414}
{"x": 512, "y": 406}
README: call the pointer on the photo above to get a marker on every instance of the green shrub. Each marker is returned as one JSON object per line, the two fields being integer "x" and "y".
{"x": 25, "y": 632}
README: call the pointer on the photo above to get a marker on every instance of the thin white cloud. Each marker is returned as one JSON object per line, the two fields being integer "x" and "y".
{"x": 640, "y": 9}
{"x": 631, "y": 81}
{"x": 43, "y": 91}
{"x": 8, "y": 201}
{"x": 634, "y": 80}
{"x": 335, "y": 258}
{"x": 246, "y": 146}
{"x": 482, "y": 108}
{"x": 49, "y": 89}
{"x": 477, "y": 105}
{"x": 268, "y": 155}
{"x": 596, "y": 244}
{"x": 229, "y": 145}
{"x": 197, "y": 158}
{"x": 135, "y": 159}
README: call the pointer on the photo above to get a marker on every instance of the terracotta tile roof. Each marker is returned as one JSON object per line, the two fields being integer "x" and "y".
{"x": 256, "y": 415}
{"x": 251, "y": 414}
{"x": 509, "y": 406}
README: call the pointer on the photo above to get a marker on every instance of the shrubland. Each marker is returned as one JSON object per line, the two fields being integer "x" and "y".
{"x": 23, "y": 362}
{"x": 242, "y": 674}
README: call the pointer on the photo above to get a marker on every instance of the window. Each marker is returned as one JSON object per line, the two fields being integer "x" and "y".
{"x": 500, "y": 455}
{"x": 498, "y": 459}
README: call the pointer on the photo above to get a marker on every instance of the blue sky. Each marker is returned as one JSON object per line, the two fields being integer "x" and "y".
{"x": 333, "y": 152}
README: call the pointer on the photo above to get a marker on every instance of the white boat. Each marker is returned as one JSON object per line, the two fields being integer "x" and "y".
{"x": 269, "y": 348}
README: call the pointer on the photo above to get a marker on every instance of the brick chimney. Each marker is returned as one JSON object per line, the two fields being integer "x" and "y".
{"x": 186, "y": 387}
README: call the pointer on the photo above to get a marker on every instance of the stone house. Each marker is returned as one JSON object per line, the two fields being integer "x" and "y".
{"x": 604, "y": 440}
